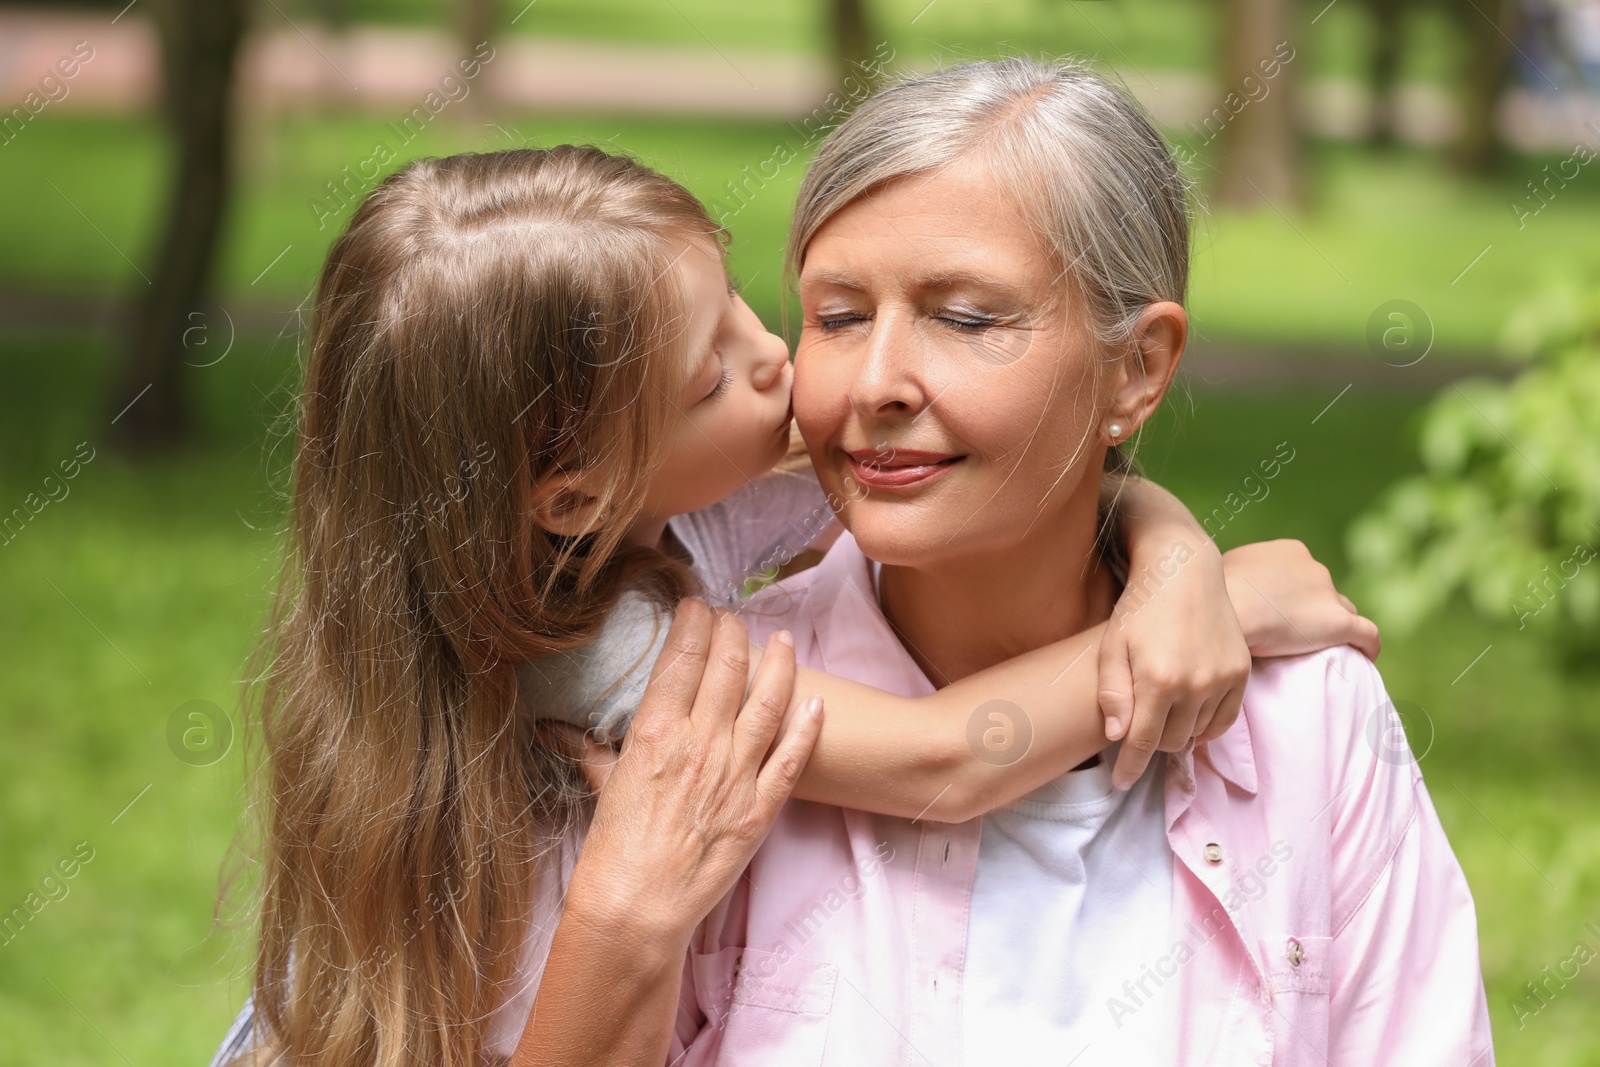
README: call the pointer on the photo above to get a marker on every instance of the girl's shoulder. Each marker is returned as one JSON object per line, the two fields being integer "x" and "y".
{"x": 598, "y": 686}
{"x": 240, "y": 1036}
{"x": 753, "y": 531}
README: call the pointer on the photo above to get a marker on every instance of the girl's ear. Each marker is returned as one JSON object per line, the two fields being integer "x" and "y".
{"x": 1142, "y": 379}
{"x": 561, "y": 503}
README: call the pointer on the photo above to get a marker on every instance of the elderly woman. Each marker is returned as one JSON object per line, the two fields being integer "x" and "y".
{"x": 992, "y": 261}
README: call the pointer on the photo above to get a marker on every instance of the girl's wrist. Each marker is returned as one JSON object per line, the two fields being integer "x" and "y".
{"x": 1248, "y": 606}
{"x": 1165, "y": 544}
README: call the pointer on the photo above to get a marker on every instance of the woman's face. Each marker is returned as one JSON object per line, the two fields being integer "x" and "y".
{"x": 947, "y": 389}
{"x": 735, "y": 415}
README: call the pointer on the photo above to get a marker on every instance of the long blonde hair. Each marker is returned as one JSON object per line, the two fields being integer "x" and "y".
{"x": 484, "y": 320}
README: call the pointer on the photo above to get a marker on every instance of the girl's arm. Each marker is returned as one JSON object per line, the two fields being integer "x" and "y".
{"x": 1169, "y": 666}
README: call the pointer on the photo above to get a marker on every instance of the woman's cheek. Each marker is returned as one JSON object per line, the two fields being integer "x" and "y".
{"x": 820, "y": 400}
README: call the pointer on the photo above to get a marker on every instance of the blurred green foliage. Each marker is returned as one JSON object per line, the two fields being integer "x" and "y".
{"x": 1505, "y": 511}
{"x": 1142, "y": 35}
{"x": 82, "y": 198}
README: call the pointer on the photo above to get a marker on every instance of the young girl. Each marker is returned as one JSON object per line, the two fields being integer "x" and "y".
{"x": 535, "y": 415}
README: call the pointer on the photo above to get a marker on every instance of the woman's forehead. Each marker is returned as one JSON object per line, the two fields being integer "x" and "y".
{"x": 945, "y": 231}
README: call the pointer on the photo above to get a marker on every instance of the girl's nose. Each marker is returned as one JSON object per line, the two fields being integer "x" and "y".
{"x": 771, "y": 363}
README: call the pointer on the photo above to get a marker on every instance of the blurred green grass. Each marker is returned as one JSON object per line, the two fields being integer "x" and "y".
{"x": 144, "y": 588}
{"x": 1383, "y": 227}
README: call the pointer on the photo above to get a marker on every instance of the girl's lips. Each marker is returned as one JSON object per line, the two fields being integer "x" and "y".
{"x": 899, "y": 470}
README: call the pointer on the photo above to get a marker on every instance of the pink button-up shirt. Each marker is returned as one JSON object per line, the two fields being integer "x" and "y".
{"x": 1318, "y": 914}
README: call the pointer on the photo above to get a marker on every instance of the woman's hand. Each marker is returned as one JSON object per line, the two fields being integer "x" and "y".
{"x": 1174, "y": 660}
{"x": 698, "y": 782}
{"x": 1287, "y": 604}
{"x": 694, "y": 791}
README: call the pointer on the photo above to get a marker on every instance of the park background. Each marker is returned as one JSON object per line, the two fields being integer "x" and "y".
{"x": 1394, "y": 279}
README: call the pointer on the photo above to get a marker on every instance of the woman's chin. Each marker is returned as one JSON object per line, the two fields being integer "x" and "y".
{"x": 903, "y": 540}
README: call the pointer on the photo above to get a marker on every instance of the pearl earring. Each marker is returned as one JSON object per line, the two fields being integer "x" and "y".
{"x": 1115, "y": 429}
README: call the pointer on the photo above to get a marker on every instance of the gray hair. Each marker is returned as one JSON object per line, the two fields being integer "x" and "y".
{"x": 1083, "y": 162}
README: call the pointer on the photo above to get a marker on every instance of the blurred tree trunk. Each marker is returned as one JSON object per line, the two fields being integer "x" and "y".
{"x": 1489, "y": 27}
{"x": 479, "y": 20}
{"x": 477, "y": 23}
{"x": 1260, "y": 157}
{"x": 1383, "y": 68}
{"x": 850, "y": 29}
{"x": 199, "y": 43}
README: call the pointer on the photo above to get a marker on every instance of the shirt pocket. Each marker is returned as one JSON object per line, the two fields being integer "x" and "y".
{"x": 1298, "y": 969}
{"x": 771, "y": 1008}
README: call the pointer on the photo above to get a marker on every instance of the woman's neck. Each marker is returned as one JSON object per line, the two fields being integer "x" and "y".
{"x": 959, "y": 616}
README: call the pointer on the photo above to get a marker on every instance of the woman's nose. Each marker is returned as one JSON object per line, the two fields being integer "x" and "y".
{"x": 887, "y": 378}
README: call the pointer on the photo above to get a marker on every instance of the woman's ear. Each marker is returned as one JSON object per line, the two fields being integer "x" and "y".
{"x": 1144, "y": 376}
{"x": 561, "y": 503}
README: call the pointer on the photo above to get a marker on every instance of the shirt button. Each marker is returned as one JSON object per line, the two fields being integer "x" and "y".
{"x": 1213, "y": 853}
{"x": 1296, "y": 953}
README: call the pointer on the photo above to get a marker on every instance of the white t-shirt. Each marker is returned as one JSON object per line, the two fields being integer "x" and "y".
{"x": 1070, "y": 901}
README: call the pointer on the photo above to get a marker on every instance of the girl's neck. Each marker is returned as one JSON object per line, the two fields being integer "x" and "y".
{"x": 645, "y": 533}
{"x": 959, "y": 616}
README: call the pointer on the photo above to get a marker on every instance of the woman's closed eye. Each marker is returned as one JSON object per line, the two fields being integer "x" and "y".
{"x": 966, "y": 323}
{"x": 827, "y": 323}
{"x": 962, "y": 321}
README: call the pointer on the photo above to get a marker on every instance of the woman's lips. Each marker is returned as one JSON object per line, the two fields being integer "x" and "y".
{"x": 899, "y": 469}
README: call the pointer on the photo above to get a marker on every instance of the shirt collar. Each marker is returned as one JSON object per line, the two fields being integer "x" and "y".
{"x": 1232, "y": 756}
{"x": 854, "y": 638}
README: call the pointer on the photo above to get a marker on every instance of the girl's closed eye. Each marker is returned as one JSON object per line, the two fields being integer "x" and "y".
{"x": 722, "y": 384}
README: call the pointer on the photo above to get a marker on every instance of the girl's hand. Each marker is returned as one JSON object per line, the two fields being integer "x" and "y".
{"x": 698, "y": 782}
{"x": 1174, "y": 660}
{"x": 1287, "y": 604}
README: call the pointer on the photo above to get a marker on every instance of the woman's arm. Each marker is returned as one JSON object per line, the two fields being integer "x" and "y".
{"x": 695, "y": 790}
{"x": 1168, "y": 667}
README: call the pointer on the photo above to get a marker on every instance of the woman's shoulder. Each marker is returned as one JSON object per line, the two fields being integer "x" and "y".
{"x": 1331, "y": 762}
{"x": 1331, "y": 703}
